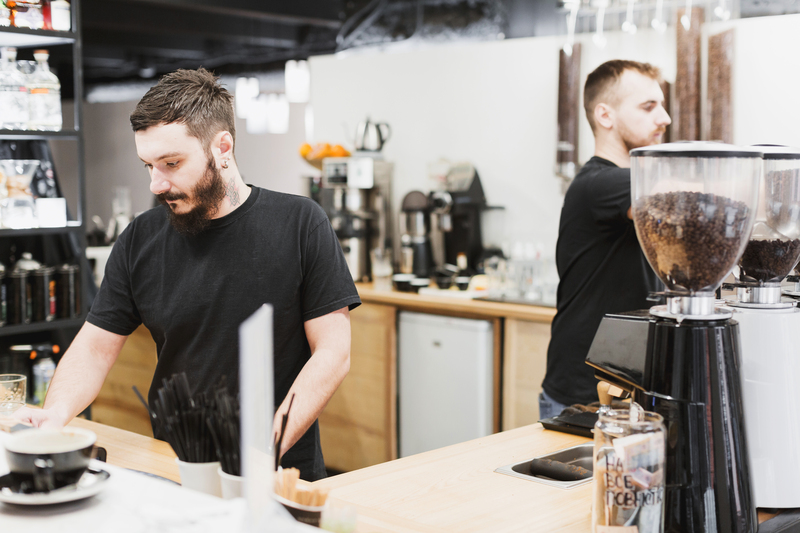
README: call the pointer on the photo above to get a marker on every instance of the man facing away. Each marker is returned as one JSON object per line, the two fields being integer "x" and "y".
{"x": 194, "y": 268}
{"x": 600, "y": 264}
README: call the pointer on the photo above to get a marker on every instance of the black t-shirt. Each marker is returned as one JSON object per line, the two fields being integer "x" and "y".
{"x": 602, "y": 270}
{"x": 192, "y": 293}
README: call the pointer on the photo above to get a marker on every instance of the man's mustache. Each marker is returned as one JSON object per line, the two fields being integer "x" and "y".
{"x": 171, "y": 197}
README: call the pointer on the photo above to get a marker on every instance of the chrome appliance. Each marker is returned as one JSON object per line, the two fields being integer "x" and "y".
{"x": 356, "y": 193}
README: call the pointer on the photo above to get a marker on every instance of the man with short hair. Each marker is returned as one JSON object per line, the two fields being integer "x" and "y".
{"x": 600, "y": 264}
{"x": 193, "y": 269}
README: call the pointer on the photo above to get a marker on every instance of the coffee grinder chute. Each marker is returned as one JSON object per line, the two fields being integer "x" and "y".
{"x": 767, "y": 323}
{"x": 693, "y": 206}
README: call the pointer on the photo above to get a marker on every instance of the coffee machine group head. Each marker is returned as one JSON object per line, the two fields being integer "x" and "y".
{"x": 693, "y": 205}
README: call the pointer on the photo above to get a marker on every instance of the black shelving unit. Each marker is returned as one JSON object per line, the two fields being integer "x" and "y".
{"x": 23, "y": 38}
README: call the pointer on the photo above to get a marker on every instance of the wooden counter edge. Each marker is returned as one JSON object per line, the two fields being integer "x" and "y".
{"x": 444, "y": 305}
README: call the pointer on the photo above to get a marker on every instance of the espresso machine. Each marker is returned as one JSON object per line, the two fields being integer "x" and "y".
{"x": 457, "y": 210}
{"x": 694, "y": 206}
{"x": 356, "y": 193}
{"x": 767, "y": 326}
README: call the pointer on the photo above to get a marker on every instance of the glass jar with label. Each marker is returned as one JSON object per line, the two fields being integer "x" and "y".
{"x": 629, "y": 462}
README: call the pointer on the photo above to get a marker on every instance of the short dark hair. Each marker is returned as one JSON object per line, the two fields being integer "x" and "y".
{"x": 605, "y": 77}
{"x": 194, "y": 98}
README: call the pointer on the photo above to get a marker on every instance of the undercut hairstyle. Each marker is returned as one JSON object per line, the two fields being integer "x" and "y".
{"x": 194, "y": 98}
{"x": 602, "y": 83}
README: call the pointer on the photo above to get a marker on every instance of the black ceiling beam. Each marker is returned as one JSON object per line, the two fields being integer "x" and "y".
{"x": 322, "y": 13}
{"x": 129, "y": 17}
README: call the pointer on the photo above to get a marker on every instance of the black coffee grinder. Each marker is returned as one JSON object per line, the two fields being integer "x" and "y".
{"x": 693, "y": 209}
{"x": 458, "y": 209}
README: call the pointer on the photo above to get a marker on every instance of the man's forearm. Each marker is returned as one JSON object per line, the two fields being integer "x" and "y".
{"x": 81, "y": 371}
{"x": 313, "y": 388}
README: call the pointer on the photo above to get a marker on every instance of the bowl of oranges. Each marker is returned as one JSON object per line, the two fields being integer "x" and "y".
{"x": 315, "y": 154}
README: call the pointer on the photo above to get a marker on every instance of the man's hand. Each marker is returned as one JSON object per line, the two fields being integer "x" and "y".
{"x": 51, "y": 418}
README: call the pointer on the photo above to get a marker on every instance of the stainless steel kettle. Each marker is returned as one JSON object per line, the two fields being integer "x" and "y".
{"x": 371, "y": 136}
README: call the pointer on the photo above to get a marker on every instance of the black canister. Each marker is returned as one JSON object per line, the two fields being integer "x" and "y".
{"x": 43, "y": 294}
{"x": 69, "y": 291}
{"x": 3, "y": 300}
{"x": 18, "y": 294}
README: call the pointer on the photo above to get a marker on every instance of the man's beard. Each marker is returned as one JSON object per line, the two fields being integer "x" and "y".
{"x": 206, "y": 196}
{"x": 631, "y": 143}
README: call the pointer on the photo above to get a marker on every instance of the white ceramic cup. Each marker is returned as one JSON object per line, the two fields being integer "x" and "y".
{"x": 231, "y": 485}
{"x": 201, "y": 477}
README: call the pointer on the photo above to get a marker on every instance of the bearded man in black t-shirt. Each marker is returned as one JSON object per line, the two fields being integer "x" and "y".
{"x": 600, "y": 264}
{"x": 192, "y": 269}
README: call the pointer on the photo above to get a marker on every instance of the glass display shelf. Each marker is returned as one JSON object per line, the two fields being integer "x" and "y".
{"x": 72, "y": 226}
{"x": 22, "y": 135}
{"x": 27, "y": 38}
{"x": 35, "y": 327}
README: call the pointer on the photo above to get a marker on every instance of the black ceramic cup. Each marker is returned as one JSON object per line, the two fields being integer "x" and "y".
{"x": 42, "y": 460}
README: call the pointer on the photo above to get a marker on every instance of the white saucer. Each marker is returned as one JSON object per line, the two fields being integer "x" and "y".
{"x": 90, "y": 484}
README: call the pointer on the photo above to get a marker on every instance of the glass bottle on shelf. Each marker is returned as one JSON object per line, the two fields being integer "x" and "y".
{"x": 14, "y": 112}
{"x": 44, "y": 91}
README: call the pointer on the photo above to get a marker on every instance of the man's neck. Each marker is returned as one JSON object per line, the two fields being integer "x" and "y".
{"x": 613, "y": 151}
{"x": 236, "y": 193}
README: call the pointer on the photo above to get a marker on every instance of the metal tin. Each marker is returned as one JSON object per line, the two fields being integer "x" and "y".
{"x": 68, "y": 299}
{"x": 18, "y": 294}
{"x": 43, "y": 294}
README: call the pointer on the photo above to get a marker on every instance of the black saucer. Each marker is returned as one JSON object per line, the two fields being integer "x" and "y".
{"x": 90, "y": 483}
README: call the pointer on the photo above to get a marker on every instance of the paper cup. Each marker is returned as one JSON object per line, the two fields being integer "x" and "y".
{"x": 201, "y": 477}
{"x": 231, "y": 485}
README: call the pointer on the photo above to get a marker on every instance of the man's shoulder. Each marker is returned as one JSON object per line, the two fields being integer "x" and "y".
{"x": 287, "y": 206}
{"x": 599, "y": 167}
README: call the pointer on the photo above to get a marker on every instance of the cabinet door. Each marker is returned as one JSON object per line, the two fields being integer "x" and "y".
{"x": 359, "y": 427}
{"x": 116, "y": 404}
{"x": 524, "y": 366}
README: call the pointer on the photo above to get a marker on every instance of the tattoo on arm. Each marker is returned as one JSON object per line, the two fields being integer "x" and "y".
{"x": 232, "y": 192}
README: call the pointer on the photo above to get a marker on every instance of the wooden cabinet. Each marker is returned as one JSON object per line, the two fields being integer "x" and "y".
{"x": 359, "y": 425}
{"x": 524, "y": 366}
{"x": 117, "y": 405}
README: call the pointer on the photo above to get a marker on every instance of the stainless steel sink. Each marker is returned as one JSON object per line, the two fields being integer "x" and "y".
{"x": 580, "y": 455}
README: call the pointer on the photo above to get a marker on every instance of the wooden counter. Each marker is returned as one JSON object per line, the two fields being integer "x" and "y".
{"x": 455, "y": 306}
{"x": 456, "y": 489}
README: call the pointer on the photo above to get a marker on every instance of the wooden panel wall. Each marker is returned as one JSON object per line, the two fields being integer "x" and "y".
{"x": 720, "y": 101}
{"x": 687, "y": 100}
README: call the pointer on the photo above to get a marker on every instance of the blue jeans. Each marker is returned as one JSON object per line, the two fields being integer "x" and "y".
{"x": 548, "y": 407}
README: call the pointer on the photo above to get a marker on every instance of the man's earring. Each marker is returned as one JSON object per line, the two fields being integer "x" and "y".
{"x": 224, "y": 163}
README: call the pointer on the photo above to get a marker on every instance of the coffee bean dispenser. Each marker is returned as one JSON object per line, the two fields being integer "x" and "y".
{"x": 767, "y": 325}
{"x": 694, "y": 206}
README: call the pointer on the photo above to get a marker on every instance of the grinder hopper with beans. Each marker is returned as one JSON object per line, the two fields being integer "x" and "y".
{"x": 767, "y": 325}
{"x": 693, "y": 206}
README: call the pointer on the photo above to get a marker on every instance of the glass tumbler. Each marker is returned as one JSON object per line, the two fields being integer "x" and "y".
{"x": 381, "y": 259}
{"x": 12, "y": 393}
{"x": 629, "y": 459}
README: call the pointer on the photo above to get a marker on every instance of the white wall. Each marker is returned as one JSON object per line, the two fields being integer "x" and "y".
{"x": 766, "y": 79}
{"x": 269, "y": 161}
{"x": 492, "y": 103}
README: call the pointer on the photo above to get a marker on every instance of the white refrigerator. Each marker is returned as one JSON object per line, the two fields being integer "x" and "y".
{"x": 445, "y": 376}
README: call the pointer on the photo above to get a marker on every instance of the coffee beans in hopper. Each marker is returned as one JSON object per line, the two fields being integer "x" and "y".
{"x": 691, "y": 239}
{"x": 768, "y": 260}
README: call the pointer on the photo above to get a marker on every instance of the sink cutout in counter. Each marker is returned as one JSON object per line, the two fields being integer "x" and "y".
{"x": 580, "y": 456}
